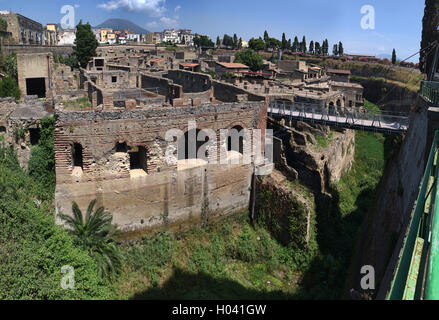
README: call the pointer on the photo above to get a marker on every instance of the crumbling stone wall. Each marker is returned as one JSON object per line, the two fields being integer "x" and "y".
{"x": 290, "y": 219}
{"x": 317, "y": 167}
{"x": 167, "y": 193}
{"x": 191, "y": 82}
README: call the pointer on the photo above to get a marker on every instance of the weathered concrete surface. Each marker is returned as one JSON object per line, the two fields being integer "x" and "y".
{"x": 171, "y": 198}
{"x": 165, "y": 193}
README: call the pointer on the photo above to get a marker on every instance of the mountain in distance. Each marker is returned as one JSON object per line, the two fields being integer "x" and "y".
{"x": 122, "y": 24}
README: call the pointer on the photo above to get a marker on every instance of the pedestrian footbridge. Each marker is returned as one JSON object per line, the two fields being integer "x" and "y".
{"x": 345, "y": 117}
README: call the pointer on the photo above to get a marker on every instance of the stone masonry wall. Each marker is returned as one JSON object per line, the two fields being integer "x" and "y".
{"x": 166, "y": 194}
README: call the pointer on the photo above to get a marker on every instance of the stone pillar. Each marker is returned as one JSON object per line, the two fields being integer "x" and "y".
{"x": 94, "y": 99}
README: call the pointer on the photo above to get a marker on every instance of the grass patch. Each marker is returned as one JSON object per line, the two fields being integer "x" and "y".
{"x": 227, "y": 260}
{"x": 78, "y": 103}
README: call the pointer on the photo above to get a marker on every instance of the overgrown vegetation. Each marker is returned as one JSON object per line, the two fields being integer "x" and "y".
{"x": 33, "y": 249}
{"x": 9, "y": 88}
{"x": 95, "y": 233}
{"x": 227, "y": 260}
{"x": 232, "y": 259}
{"x": 9, "y": 85}
{"x": 250, "y": 58}
{"x": 41, "y": 165}
{"x": 78, "y": 103}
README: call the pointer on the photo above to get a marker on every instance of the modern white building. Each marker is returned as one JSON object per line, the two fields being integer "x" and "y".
{"x": 186, "y": 37}
{"x": 67, "y": 37}
{"x": 133, "y": 37}
{"x": 170, "y": 35}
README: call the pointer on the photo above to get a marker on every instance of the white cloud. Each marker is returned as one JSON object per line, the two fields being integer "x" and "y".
{"x": 177, "y": 8}
{"x": 155, "y": 8}
{"x": 169, "y": 22}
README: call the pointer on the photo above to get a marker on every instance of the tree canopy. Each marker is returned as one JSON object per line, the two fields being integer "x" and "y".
{"x": 85, "y": 44}
{"x": 203, "y": 41}
{"x": 250, "y": 58}
{"x": 256, "y": 44}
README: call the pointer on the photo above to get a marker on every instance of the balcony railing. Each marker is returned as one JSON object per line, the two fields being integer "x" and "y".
{"x": 430, "y": 91}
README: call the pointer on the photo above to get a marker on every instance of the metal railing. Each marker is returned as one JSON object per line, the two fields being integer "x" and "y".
{"x": 348, "y": 117}
{"x": 416, "y": 275}
{"x": 430, "y": 91}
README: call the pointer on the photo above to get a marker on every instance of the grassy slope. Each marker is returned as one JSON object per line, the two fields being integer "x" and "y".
{"x": 227, "y": 260}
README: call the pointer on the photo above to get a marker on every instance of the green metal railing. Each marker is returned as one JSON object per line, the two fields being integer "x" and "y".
{"x": 430, "y": 91}
{"x": 417, "y": 273}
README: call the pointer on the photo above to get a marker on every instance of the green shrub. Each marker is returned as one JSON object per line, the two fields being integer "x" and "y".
{"x": 9, "y": 88}
{"x": 33, "y": 249}
{"x": 152, "y": 256}
{"x": 41, "y": 165}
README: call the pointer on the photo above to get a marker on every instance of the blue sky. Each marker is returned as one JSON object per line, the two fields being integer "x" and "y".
{"x": 398, "y": 24}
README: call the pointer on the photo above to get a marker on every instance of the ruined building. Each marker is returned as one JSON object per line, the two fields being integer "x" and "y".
{"x": 115, "y": 148}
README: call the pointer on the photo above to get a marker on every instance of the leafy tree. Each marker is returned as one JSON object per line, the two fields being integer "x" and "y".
{"x": 218, "y": 41}
{"x": 9, "y": 88}
{"x": 335, "y": 50}
{"x": 311, "y": 47}
{"x": 240, "y": 44}
{"x": 394, "y": 57}
{"x": 256, "y": 44}
{"x": 94, "y": 232}
{"x": 289, "y": 44}
{"x": 85, "y": 44}
{"x": 71, "y": 61}
{"x": 203, "y": 41}
{"x": 250, "y": 58}
{"x": 429, "y": 34}
{"x": 340, "y": 49}
{"x": 274, "y": 44}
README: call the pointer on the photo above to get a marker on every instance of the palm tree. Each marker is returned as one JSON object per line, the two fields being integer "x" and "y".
{"x": 95, "y": 233}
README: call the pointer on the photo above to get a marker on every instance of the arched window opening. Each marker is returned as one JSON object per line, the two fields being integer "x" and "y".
{"x": 235, "y": 140}
{"x": 138, "y": 159}
{"x": 2, "y": 129}
{"x": 77, "y": 156}
{"x": 331, "y": 109}
{"x": 121, "y": 147}
{"x": 189, "y": 147}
